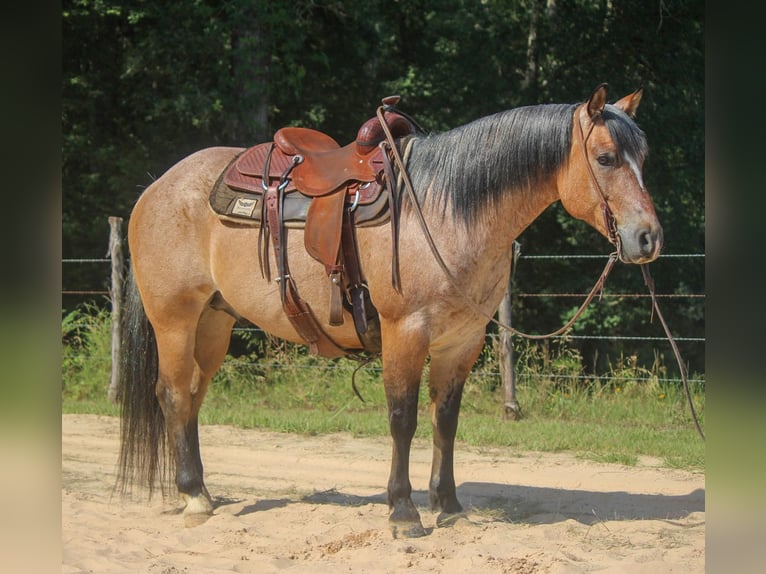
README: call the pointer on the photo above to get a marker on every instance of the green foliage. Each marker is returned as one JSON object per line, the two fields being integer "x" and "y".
{"x": 86, "y": 353}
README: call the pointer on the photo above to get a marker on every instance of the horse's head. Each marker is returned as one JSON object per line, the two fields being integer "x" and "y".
{"x": 602, "y": 183}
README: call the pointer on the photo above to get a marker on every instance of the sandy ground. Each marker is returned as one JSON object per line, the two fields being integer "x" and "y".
{"x": 317, "y": 504}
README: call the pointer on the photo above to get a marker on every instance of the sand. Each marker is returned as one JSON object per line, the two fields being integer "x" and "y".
{"x": 317, "y": 504}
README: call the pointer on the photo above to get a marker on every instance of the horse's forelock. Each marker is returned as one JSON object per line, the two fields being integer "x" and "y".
{"x": 627, "y": 136}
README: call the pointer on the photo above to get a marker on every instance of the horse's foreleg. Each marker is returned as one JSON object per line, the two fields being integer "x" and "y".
{"x": 403, "y": 358}
{"x": 448, "y": 371}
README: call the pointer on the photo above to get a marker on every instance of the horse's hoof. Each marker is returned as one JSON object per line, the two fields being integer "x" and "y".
{"x": 407, "y": 529}
{"x": 197, "y": 511}
{"x": 446, "y": 519}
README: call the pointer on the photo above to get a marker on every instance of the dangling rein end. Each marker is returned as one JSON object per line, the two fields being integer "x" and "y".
{"x": 649, "y": 281}
{"x": 363, "y": 362}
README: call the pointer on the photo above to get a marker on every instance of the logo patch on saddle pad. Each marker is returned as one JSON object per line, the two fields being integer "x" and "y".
{"x": 244, "y": 207}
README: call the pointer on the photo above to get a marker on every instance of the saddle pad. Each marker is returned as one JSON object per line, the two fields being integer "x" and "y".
{"x": 245, "y": 206}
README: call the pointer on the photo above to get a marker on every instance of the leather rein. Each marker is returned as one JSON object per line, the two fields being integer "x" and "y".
{"x": 610, "y": 223}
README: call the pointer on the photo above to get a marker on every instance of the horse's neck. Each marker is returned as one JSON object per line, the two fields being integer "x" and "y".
{"x": 497, "y": 228}
{"x": 479, "y": 253}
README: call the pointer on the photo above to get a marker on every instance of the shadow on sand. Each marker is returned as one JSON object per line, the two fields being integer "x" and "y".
{"x": 526, "y": 504}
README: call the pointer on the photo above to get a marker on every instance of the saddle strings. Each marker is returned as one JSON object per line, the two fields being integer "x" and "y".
{"x": 597, "y": 288}
{"x": 263, "y": 231}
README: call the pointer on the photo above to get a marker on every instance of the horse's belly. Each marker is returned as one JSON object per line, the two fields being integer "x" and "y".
{"x": 238, "y": 277}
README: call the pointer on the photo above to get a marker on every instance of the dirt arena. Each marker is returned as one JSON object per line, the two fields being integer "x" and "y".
{"x": 317, "y": 504}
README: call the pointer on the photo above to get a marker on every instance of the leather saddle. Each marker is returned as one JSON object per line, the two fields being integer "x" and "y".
{"x": 326, "y": 166}
{"x": 304, "y": 178}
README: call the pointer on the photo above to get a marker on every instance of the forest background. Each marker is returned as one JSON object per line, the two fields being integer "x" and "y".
{"x": 147, "y": 83}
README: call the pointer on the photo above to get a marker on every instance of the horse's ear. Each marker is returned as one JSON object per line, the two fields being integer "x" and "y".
{"x": 629, "y": 104}
{"x": 597, "y": 101}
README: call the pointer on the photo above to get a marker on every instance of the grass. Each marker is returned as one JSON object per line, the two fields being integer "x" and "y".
{"x": 620, "y": 419}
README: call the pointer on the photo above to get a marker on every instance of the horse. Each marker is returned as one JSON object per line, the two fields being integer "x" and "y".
{"x": 476, "y": 188}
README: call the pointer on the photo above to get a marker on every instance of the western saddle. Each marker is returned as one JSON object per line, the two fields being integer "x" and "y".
{"x": 305, "y": 179}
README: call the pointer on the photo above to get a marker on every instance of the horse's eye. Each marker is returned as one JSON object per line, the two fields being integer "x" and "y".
{"x": 607, "y": 159}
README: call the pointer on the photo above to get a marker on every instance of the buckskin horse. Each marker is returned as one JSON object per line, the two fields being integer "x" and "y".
{"x": 428, "y": 273}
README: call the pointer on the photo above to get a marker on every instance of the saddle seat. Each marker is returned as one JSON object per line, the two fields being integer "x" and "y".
{"x": 326, "y": 166}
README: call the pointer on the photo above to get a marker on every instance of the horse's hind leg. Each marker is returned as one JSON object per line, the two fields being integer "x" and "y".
{"x": 189, "y": 356}
{"x": 448, "y": 371}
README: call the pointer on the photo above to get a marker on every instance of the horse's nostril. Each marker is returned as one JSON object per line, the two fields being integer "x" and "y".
{"x": 646, "y": 242}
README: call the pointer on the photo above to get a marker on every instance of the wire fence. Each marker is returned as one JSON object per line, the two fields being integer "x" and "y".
{"x": 519, "y": 295}
{"x": 689, "y": 338}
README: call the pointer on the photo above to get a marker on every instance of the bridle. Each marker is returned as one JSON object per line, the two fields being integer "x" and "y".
{"x": 610, "y": 223}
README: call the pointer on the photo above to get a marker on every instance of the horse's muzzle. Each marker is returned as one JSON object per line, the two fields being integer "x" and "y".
{"x": 642, "y": 244}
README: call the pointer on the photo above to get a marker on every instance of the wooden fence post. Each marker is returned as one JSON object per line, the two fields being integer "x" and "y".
{"x": 115, "y": 292}
{"x": 511, "y": 408}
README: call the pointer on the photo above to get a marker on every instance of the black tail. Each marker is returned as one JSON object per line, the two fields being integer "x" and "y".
{"x": 143, "y": 441}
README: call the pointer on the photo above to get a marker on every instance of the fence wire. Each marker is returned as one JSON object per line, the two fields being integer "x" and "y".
{"x": 491, "y": 336}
